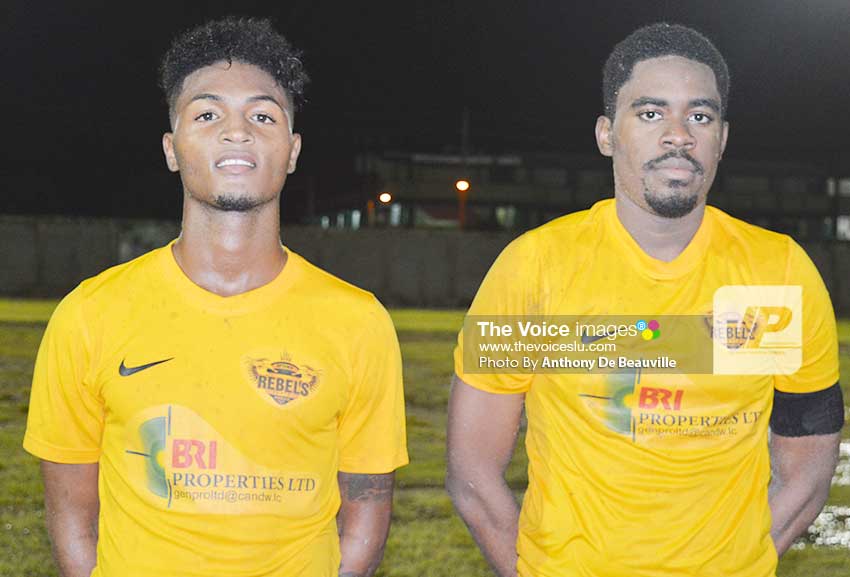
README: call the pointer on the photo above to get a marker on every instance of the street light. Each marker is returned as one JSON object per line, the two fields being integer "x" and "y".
{"x": 385, "y": 198}
{"x": 462, "y": 186}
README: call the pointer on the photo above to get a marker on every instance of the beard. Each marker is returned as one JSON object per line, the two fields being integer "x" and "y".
{"x": 676, "y": 201}
{"x": 231, "y": 203}
{"x": 671, "y": 205}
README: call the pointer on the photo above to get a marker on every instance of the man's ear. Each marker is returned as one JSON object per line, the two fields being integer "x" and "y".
{"x": 168, "y": 149}
{"x": 604, "y": 135}
{"x": 293, "y": 154}
{"x": 723, "y": 137}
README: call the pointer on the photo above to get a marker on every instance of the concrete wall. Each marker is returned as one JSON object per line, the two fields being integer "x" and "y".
{"x": 48, "y": 256}
{"x": 432, "y": 268}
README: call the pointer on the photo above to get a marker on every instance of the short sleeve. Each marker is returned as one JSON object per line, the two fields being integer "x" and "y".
{"x": 508, "y": 289}
{"x": 819, "y": 368}
{"x": 372, "y": 432}
{"x": 65, "y": 420}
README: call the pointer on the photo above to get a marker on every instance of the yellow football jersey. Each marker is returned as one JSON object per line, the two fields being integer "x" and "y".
{"x": 219, "y": 423}
{"x": 653, "y": 475}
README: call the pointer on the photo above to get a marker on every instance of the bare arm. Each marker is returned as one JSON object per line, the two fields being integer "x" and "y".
{"x": 482, "y": 431}
{"x": 364, "y": 521}
{"x": 802, "y": 469}
{"x": 71, "y": 506}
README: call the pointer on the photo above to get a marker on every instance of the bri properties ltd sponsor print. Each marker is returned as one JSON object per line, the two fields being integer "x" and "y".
{"x": 178, "y": 461}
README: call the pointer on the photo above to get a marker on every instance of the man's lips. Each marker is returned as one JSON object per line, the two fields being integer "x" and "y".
{"x": 675, "y": 166}
{"x": 676, "y": 169}
{"x": 236, "y": 163}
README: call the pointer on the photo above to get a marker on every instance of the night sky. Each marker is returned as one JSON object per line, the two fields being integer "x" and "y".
{"x": 84, "y": 115}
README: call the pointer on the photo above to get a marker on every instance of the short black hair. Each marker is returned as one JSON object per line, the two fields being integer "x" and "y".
{"x": 248, "y": 40}
{"x": 655, "y": 41}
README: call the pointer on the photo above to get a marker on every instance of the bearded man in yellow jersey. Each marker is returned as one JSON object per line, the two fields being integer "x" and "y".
{"x": 694, "y": 494}
{"x": 220, "y": 406}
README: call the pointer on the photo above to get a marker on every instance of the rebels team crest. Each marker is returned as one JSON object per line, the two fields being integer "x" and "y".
{"x": 283, "y": 380}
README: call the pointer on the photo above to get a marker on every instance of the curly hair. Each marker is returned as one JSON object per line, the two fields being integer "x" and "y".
{"x": 248, "y": 40}
{"x": 655, "y": 41}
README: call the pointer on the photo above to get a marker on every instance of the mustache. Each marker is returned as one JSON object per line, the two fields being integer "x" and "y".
{"x": 653, "y": 164}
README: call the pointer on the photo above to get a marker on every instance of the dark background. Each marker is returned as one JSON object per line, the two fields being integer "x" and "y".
{"x": 83, "y": 114}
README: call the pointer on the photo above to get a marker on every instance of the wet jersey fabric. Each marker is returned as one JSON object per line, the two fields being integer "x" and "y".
{"x": 219, "y": 423}
{"x": 618, "y": 486}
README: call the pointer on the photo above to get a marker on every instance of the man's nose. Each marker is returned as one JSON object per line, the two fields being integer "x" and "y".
{"x": 678, "y": 135}
{"x": 236, "y": 129}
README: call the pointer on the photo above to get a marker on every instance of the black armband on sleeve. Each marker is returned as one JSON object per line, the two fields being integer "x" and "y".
{"x": 801, "y": 414}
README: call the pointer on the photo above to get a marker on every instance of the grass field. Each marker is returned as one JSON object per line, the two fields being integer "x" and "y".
{"x": 427, "y": 538}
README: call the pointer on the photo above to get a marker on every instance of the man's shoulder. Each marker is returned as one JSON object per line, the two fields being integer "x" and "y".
{"x": 735, "y": 229}
{"x": 93, "y": 298}
{"x": 567, "y": 230}
{"x": 325, "y": 287}
{"x": 737, "y": 238}
{"x": 117, "y": 280}
{"x": 576, "y": 224}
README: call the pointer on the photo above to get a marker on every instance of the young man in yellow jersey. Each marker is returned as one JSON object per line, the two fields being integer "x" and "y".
{"x": 220, "y": 406}
{"x": 693, "y": 494}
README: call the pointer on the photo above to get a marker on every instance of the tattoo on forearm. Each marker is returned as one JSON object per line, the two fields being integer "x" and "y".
{"x": 356, "y": 487}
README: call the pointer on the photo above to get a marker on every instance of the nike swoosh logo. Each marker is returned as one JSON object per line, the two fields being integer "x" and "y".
{"x": 126, "y": 371}
{"x": 587, "y": 339}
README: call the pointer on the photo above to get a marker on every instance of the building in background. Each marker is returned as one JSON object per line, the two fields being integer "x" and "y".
{"x": 520, "y": 191}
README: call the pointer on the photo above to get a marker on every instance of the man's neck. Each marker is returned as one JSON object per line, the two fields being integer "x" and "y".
{"x": 661, "y": 238}
{"x": 228, "y": 253}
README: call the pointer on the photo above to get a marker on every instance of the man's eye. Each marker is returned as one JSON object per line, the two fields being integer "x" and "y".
{"x": 701, "y": 118}
{"x": 264, "y": 118}
{"x": 649, "y": 115}
{"x": 206, "y": 116}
